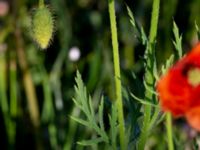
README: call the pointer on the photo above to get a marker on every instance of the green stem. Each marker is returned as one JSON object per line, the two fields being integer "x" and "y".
{"x": 41, "y": 3}
{"x": 13, "y": 85}
{"x": 3, "y": 85}
{"x": 27, "y": 79}
{"x": 72, "y": 130}
{"x": 13, "y": 95}
{"x": 149, "y": 77}
{"x": 169, "y": 131}
{"x": 48, "y": 113}
{"x": 154, "y": 21}
{"x": 118, "y": 91}
{"x": 3, "y": 96}
{"x": 4, "y": 105}
{"x": 52, "y": 135}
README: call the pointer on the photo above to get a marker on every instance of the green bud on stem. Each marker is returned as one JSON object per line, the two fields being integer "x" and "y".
{"x": 42, "y": 26}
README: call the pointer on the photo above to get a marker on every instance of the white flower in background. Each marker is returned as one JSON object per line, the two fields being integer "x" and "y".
{"x": 74, "y": 53}
{"x": 4, "y": 8}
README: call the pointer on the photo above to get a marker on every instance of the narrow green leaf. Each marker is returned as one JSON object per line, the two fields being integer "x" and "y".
{"x": 198, "y": 30}
{"x": 101, "y": 123}
{"x": 143, "y": 36}
{"x": 91, "y": 107}
{"x": 143, "y": 101}
{"x": 134, "y": 75}
{"x": 170, "y": 61}
{"x": 101, "y": 114}
{"x": 154, "y": 118}
{"x": 160, "y": 119}
{"x": 81, "y": 121}
{"x": 81, "y": 93}
{"x": 155, "y": 71}
{"x": 139, "y": 29}
{"x": 132, "y": 20}
{"x": 90, "y": 142}
{"x": 178, "y": 40}
{"x": 168, "y": 64}
{"x": 149, "y": 89}
{"x": 113, "y": 126}
{"x": 77, "y": 103}
{"x": 84, "y": 102}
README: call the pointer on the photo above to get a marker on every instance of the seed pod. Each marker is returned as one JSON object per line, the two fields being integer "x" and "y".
{"x": 42, "y": 26}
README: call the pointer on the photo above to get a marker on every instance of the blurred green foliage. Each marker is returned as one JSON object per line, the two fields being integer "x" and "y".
{"x": 51, "y": 72}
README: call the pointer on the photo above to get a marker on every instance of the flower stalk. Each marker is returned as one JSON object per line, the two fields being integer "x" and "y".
{"x": 149, "y": 76}
{"x": 118, "y": 90}
{"x": 28, "y": 82}
{"x": 169, "y": 131}
{"x": 41, "y": 3}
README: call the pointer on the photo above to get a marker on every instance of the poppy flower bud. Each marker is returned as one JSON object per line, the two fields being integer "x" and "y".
{"x": 42, "y": 26}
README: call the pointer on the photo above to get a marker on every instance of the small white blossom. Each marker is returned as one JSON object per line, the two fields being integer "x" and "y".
{"x": 74, "y": 53}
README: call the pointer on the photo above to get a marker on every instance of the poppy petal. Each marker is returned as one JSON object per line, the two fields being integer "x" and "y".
{"x": 174, "y": 92}
{"x": 193, "y": 117}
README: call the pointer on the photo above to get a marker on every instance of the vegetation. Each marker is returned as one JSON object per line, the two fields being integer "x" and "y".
{"x": 82, "y": 74}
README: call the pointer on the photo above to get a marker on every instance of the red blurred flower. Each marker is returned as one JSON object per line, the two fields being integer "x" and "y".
{"x": 179, "y": 88}
{"x": 4, "y": 8}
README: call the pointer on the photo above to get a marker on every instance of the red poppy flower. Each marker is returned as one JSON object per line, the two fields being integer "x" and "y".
{"x": 179, "y": 88}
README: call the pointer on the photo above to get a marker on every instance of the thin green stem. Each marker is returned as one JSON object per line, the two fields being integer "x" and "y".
{"x": 3, "y": 85}
{"x": 41, "y": 3}
{"x": 154, "y": 21}
{"x": 149, "y": 77}
{"x": 13, "y": 89}
{"x": 118, "y": 90}
{"x": 9, "y": 124}
{"x": 72, "y": 130}
{"x": 13, "y": 95}
{"x": 3, "y": 96}
{"x": 52, "y": 135}
{"x": 27, "y": 79}
{"x": 48, "y": 110}
{"x": 169, "y": 131}
{"x": 48, "y": 113}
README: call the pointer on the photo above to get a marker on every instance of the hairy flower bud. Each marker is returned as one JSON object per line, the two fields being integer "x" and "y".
{"x": 42, "y": 26}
